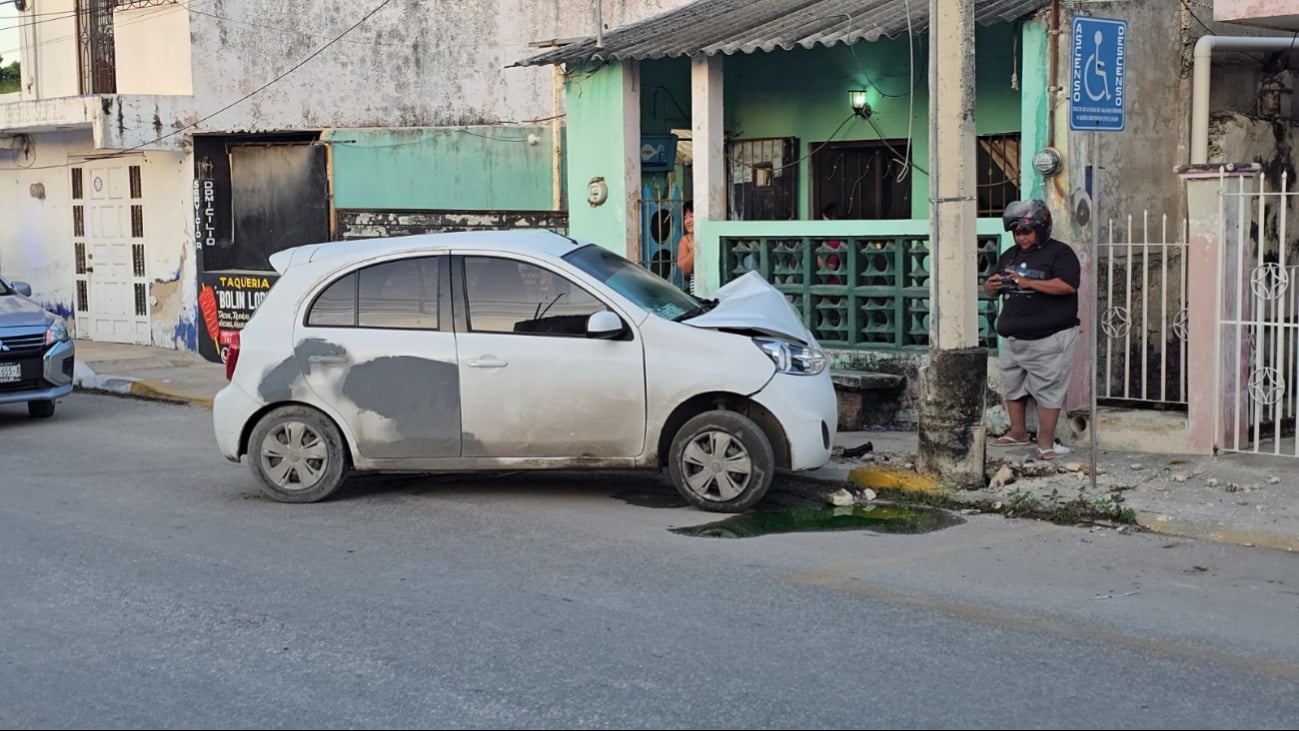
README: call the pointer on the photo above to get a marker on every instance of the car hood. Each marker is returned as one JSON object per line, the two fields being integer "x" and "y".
{"x": 751, "y": 303}
{"x": 19, "y": 311}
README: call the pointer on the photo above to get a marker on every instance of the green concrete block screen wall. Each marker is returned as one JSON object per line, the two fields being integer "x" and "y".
{"x": 866, "y": 292}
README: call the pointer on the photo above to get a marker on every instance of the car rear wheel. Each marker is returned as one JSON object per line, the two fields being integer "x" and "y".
{"x": 721, "y": 461}
{"x": 298, "y": 455}
{"x": 42, "y": 409}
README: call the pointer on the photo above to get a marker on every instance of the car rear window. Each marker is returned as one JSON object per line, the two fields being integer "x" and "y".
{"x": 397, "y": 295}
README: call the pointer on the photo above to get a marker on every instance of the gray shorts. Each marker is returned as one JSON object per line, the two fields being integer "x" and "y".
{"x": 1038, "y": 368}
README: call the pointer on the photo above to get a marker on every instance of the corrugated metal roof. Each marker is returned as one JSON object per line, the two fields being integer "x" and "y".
{"x": 710, "y": 27}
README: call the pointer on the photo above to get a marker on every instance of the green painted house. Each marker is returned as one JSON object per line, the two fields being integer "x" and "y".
{"x": 771, "y": 117}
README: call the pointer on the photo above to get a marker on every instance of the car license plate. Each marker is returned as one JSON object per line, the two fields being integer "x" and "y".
{"x": 10, "y": 372}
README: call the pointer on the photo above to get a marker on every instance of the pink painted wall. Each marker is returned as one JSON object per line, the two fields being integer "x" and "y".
{"x": 1277, "y": 13}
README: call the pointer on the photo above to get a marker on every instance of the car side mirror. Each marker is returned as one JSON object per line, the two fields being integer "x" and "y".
{"x": 22, "y": 288}
{"x": 604, "y": 324}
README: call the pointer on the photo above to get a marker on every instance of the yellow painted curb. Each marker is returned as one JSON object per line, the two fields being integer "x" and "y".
{"x": 157, "y": 391}
{"x": 1221, "y": 534}
{"x": 880, "y": 479}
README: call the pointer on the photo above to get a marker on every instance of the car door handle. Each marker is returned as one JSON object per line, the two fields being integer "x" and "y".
{"x": 327, "y": 359}
{"x": 487, "y": 361}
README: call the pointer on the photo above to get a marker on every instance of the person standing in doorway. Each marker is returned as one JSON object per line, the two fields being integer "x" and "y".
{"x": 832, "y": 262}
{"x": 686, "y": 247}
{"x": 1037, "y": 280}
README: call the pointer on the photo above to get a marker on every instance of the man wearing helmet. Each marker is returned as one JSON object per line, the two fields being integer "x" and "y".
{"x": 1037, "y": 280}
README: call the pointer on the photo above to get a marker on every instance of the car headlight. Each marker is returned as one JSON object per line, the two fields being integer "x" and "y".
{"x": 794, "y": 358}
{"x": 56, "y": 330}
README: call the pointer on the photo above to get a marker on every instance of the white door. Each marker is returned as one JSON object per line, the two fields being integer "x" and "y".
{"x": 531, "y": 383}
{"x": 115, "y": 276}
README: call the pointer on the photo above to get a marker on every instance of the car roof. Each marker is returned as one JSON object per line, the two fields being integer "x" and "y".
{"x": 523, "y": 241}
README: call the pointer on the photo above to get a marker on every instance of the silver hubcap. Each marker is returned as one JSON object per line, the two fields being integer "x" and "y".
{"x": 716, "y": 466}
{"x": 294, "y": 456}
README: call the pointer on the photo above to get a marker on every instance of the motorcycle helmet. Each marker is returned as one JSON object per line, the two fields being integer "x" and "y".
{"x": 1031, "y": 213}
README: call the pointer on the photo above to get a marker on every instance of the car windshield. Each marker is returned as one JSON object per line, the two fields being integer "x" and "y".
{"x": 648, "y": 290}
{"x": 5, "y": 289}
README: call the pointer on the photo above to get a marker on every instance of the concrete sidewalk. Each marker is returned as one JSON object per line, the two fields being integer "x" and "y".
{"x": 1250, "y": 500}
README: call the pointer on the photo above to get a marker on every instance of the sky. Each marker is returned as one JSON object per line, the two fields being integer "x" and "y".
{"x": 8, "y": 34}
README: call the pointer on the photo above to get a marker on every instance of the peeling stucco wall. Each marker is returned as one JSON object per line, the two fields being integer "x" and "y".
{"x": 37, "y": 246}
{"x": 411, "y": 64}
{"x": 1240, "y": 138}
{"x": 172, "y": 269}
{"x": 35, "y": 243}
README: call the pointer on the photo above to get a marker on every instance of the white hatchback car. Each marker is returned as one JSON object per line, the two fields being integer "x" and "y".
{"x": 518, "y": 350}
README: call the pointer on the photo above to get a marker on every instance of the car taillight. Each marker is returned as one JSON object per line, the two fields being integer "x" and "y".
{"x": 232, "y": 355}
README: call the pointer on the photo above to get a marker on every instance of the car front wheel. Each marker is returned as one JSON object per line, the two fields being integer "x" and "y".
{"x": 721, "y": 461}
{"x": 298, "y": 455}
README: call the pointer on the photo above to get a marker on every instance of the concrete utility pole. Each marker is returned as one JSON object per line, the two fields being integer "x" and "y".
{"x": 953, "y": 384}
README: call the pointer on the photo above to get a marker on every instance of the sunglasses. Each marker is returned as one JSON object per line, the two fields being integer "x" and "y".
{"x": 1022, "y": 227}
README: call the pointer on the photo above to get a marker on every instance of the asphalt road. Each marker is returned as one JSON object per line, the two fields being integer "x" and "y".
{"x": 146, "y": 583}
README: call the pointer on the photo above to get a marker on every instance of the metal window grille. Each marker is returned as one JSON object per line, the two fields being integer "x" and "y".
{"x": 77, "y": 190}
{"x": 132, "y": 4}
{"x": 137, "y": 259}
{"x": 80, "y": 249}
{"x": 998, "y": 173}
{"x": 95, "y": 46}
{"x": 141, "y": 301}
{"x": 137, "y": 189}
{"x": 864, "y": 178}
{"x": 78, "y": 220}
{"x": 762, "y": 179}
{"x": 137, "y": 222}
{"x": 83, "y": 300}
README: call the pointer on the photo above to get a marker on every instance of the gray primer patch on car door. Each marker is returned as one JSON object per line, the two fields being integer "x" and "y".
{"x": 421, "y": 397}
{"x": 277, "y": 384}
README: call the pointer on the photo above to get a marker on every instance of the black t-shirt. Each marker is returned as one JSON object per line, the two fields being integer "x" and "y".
{"x": 1027, "y": 313}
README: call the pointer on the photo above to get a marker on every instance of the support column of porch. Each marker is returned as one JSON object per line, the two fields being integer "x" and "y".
{"x": 604, "y": 172}
{"x": 1215, "y": 367}
{"x": 709, "y": 170}
{"x": 953, "y": 384}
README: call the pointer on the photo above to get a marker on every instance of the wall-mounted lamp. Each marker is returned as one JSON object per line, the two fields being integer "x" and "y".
{"x": 857, "y": 100}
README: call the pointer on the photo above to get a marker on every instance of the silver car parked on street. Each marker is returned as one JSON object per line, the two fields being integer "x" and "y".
{"x": 37, "y": 354}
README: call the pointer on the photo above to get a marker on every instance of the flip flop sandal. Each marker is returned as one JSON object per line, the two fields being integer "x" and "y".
{"x": 1045, "y": 454}
{"x": 1005, "y": 441}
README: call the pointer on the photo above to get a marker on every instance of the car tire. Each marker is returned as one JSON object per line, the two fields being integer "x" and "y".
{"x": 42, "y": 409}
{"x": 722, "y": 462}
{"x": 298, "y": 455}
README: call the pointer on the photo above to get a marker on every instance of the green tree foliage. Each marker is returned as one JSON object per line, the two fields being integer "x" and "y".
{"x": 10, "y": 78}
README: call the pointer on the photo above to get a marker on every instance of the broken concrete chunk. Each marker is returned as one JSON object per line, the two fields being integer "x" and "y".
{"x": 1038, "y": 469}
{"x": 841, "y": 498}
{"x": 1004, "y": 477}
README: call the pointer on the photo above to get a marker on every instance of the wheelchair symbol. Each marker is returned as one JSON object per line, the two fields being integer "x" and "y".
{"x": 1095, "y": 67}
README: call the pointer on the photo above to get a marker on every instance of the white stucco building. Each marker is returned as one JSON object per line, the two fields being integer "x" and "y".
{"x": 139, "y": 121}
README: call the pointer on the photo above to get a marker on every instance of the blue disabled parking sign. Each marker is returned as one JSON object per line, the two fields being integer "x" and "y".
{"x": 1096, "y": 93}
